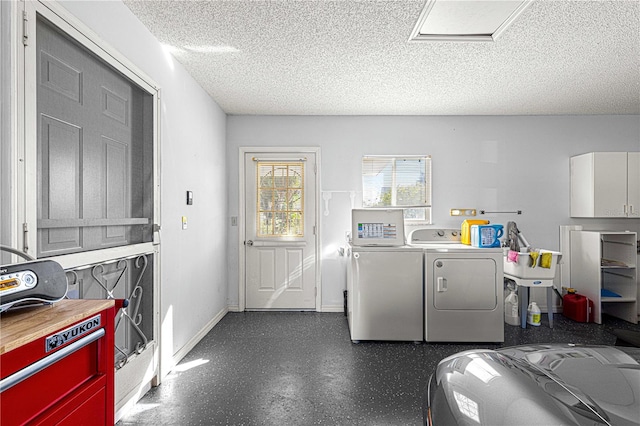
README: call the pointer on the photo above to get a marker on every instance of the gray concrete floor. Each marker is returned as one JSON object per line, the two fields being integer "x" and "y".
{"x": 301, "y": 369}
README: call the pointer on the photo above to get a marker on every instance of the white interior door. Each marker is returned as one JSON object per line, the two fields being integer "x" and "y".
{"x": 280, "y": 231}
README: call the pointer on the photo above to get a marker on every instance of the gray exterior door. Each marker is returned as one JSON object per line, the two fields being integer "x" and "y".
{"x": 93, "y": 174}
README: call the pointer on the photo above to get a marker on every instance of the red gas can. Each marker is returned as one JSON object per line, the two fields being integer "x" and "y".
{"x": 577, "y": 307}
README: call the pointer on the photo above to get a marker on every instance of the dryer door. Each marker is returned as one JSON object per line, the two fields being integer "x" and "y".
{"x": 463, "y": 283}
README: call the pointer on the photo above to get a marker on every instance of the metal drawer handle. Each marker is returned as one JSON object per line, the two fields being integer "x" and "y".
{"x": 47, "y": 361}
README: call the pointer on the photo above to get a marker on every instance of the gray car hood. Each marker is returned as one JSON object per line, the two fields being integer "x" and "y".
{"x": 543, "y": 385}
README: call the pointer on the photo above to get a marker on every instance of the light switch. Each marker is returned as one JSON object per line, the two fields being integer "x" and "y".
{"x": 184, "y": 222}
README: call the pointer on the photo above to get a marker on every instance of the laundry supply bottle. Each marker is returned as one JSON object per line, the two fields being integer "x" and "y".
{"x": 486, "y": 236}
{"x": 511, "y": 316}
{"x": 465, "y": 231}
{"x": 533, "y": 314}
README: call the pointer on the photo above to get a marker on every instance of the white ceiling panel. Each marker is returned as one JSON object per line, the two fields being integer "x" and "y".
{"x": 459, "y": 17}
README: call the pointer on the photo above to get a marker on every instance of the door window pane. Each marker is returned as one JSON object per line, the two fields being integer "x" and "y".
{"x": 280, "y": 199}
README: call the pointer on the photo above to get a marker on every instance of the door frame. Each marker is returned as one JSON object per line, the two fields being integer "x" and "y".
{"x": 241, "y": 215}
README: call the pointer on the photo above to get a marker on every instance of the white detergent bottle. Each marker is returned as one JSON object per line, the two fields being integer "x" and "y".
{"x": 533, "y": 314}
{"x": 511, "y": 316}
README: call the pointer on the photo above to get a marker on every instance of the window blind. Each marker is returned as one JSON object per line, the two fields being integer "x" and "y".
{"x": 398, "y": 181}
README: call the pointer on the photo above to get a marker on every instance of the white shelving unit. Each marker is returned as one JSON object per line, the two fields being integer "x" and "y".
{"x": 606, "y": 261}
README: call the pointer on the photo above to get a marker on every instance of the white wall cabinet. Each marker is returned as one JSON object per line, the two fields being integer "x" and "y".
{"x": 603, "y": 263}
{"x": 633, "y": 183}
{"x": 605, "y": 184}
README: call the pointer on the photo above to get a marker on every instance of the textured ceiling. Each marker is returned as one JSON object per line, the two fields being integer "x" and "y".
{"x": 352, "y": 58}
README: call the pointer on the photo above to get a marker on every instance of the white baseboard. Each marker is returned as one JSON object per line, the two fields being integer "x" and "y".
{"x": 177, "y": 357}
{"x": 234, "y": 308}
{"x": 323, "y": 308}
{"x": 332, "y": 308}
{"x": 127, "y": 403}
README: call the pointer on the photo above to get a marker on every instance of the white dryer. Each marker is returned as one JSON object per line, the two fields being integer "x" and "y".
{"x": 463, "y": 288}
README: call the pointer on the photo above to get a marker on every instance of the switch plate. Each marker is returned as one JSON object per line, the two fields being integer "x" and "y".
{"x": 462, "y": 212}
{"x": 184, "y": 222}
{"x": 189, "y": 198}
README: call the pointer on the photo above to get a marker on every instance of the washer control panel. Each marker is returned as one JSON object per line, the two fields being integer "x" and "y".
{"x": 433, "y": 235}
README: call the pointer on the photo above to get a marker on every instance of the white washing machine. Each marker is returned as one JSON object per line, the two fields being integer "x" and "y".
{"x": 384, "y": 293}
{"x": 385, "y": 279}
{"x": 463, "y": 288}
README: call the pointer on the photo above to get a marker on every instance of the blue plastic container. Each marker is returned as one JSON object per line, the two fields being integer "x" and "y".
{"x": 486, "y": 236}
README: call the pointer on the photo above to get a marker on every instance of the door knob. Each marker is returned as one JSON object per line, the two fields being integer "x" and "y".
{"x": 249, "y": 243}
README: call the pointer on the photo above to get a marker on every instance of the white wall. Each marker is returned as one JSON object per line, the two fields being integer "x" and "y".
{"x": 502, "y": 163}
{"x": 194, "y": 268}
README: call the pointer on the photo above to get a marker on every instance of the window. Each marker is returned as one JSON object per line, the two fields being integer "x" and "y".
{"x": 402, "y": 181}
{"x": 280, "y": 199}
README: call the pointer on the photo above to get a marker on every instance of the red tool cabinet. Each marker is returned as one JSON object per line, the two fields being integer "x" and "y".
{"x": 56, "y": 364}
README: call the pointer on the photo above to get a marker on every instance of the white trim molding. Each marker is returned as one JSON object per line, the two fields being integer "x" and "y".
{"x": 25, "y": 226}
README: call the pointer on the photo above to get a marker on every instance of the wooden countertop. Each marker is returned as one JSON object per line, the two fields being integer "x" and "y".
{"x": 22, "y": 326}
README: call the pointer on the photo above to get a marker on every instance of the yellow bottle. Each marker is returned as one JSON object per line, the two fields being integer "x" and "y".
{"x": 465, "y": 231}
